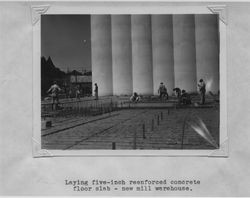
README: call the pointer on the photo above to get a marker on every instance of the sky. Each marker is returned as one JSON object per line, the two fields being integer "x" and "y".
{"x": 66, "y": 39}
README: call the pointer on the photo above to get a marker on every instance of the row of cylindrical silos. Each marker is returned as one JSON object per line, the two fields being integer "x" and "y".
{"x": 135, "y": 53}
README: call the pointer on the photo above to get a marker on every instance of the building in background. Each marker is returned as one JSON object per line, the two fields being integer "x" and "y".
{"x": 69, "y": 82}
{"x": 132, "y": 53}
{"x": 81, "y": 82}
{"x": 135, "y": 53}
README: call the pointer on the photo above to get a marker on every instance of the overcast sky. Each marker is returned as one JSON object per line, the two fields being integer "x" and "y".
{"x": 66, "y": 39}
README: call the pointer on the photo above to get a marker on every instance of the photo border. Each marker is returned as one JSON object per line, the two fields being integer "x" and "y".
{"x": 125, "y": 8}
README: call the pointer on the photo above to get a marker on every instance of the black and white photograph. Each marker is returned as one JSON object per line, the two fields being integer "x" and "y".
{"x": 130, "y": 82}
{"x": 124, "y": 98}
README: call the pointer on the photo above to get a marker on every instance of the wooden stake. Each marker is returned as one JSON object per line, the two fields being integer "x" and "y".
{"x": 183, "y": 131}
{"x": 143, "y": 131}
{"x": 152, "y": 128}
{"x": 134, "y": 145}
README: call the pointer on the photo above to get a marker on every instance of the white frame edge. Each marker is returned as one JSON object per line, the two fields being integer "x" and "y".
{"x": 131, "y": 8}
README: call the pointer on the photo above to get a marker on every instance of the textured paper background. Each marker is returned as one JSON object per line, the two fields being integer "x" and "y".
{"x": 21, "y": 174}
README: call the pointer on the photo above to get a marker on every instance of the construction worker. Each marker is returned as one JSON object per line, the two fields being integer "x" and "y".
{"x": 78, "y": 92}
{"x": 54, "y": 89}
{"x": 185, "y": 98}
{"x": 202, "y": 90}
{"x": 177, "y": 91}
{"x": 135, "y": 97}
{"x": 96, "y": 91}
{"x": 162, "y": 91}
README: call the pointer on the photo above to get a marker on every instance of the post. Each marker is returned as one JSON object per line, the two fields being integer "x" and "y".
{"x": 99, "y": 108}
{"x": 152, "y": 128}
{"x": 143, "y": 131}
{"x": 168, "y": 111}
{"x": 158, "y": 120}
{"x": 134, "y": 145}
{"x": 80, "y": 110}
{"x": 183, "y": 131}
{"x": 88, "y": 110}
{"x": 113, "y": 146}
{"x": 111, "y": 105}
